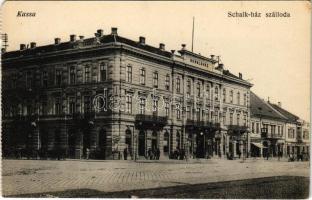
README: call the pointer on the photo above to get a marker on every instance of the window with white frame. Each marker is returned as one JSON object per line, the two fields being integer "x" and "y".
{"x": 217, "y": 93}
{"x": 142, "y": 106}
{"x": 72, "y": 75}
{"x": 224, "y": 95}
{"x": 129, "y": 104}
{"x": 238, "y": 98}
{"x": 142, "y": 76}
{"x": 87, "y": 74}
{"x": 129, "y": 74}
{"x": 231, "y": 96}
{"x": 198, "y": 89}
{"x": 103, "y": 72}
{"x": 178, "y": 85}
{"x": 155, "y": 79}
{"x": 167, "y": 108}
{"x": 178, "y": 109}
{"x": 167, "y": 82}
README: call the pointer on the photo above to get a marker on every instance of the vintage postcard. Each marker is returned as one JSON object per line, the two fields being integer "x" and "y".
{"x": 156, "y": 99}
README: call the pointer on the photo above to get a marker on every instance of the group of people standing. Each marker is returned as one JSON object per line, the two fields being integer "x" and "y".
{"x": 153, "y": 154}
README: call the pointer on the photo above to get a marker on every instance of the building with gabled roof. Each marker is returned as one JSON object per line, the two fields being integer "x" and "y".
{"x": 297, "y": 132}
{"x": 267, "y": 128}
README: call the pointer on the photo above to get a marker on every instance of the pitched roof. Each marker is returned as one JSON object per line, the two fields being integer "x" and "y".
{"x": 259, "y": 107}
{"x": 291, "y": 117}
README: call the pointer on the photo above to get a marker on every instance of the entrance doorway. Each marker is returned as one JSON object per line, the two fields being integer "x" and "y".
{"x": 200, "y": 146}
{"x": 141, "y": 143}
{"x": 154, "y": 140}
{"x": 71, "y": 143}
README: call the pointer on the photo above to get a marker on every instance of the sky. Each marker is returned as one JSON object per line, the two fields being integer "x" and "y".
{"x": 272, "y": 53}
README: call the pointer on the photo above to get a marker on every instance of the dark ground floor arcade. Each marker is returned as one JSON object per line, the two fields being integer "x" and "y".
{"x": 104, "y": 139}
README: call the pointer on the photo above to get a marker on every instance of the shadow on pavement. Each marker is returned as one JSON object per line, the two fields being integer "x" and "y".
{"x": 277, "y": 187}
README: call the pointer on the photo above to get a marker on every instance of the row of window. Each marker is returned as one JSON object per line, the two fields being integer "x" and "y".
{"x": 41, "y": 78}
{"x": 272, "y": 129}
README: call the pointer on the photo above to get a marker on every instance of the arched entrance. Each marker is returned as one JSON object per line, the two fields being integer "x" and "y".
{"x": 154, "y": 140}
{"x": 71, "y": 143}
{"x": 166, "y": 142}
{"x": 129, "y": 141}
{"x": 141, "y": 143}
{"x": 178, "y": 140}
{"x": 200, "y": 145}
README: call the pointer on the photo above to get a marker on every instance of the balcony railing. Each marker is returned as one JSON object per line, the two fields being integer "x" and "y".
{"x": 196, "y": 124}
{"x": 149, "y": 121}
{"x": 236, "y": 129}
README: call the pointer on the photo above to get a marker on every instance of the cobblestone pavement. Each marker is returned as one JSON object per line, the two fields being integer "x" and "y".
{"x": 36, "y": 176}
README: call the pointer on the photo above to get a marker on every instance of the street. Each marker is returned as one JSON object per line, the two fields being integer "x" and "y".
{"x": 22, "y": 177}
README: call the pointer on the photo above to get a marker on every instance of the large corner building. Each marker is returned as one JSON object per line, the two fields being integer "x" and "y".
{"x": 108, "y": 93}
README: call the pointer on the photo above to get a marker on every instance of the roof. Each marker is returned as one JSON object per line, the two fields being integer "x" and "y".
{"x": 259, "y": 107}
{"x": 288, "y": 115}
{"x": 89, "y": 41}
{"x": 105, "y": 39}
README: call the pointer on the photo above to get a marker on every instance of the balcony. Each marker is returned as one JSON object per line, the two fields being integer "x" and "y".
{"x": 196, "y": 124}
{"x": 236, "y": 129}
{"x": 149, "y": 121}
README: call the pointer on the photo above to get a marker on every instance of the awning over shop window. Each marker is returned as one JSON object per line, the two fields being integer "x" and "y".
{"x": 259, "y": 145}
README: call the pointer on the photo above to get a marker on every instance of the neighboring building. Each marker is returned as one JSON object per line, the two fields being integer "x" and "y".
{"x": 274, "y": 129}
{"x": 109, "y": 93}
{"x": 267, "y": 128}
{"x": 297, "y": 137}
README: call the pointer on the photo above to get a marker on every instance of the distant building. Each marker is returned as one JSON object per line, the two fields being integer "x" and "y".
{"x": 274, "y": 130}
{"x": 108, "y": 93}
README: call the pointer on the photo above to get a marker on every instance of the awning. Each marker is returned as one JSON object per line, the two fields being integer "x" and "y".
{"x": 259, "y": 145}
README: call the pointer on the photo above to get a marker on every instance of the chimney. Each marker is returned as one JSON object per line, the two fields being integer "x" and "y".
{"x": 279, "y": 104}
{"x": 57, "y": 40}
{"x": 240, "y": 76}
{"x": 114, "y": 31}
{"x": 142, "y": 40}
{"x": 81, "y": 37}
{"x": 72, "y": 38}
{"x": 162, "y": 46}
{"x": 212, "y": 56}
{"x": 183, "y": 46}
{"x": 99, "y": 32}
{"x": 220, "y": 66}
{"x": 22, "y": 46}
{"x": 33, "y": 45}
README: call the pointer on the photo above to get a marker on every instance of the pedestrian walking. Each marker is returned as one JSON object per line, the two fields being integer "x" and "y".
{"x": 158, "y": 153}
{"x": 239, "y": 154}
{"x": 126, "y": 153}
